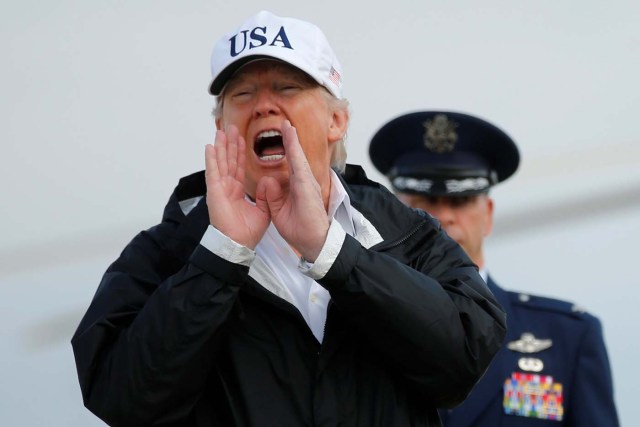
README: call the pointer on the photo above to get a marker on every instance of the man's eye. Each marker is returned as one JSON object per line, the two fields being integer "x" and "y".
{"x": 240, "y": 93}
{"x": 461, "y": 201}
{"x": 288, "y": 87}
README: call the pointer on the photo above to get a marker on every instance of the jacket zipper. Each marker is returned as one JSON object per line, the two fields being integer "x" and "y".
{"x": 383, "y": 247}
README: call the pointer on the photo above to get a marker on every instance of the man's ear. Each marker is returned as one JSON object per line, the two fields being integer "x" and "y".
{"x": 338, "y": 125}
{"x": 489, "y": 223}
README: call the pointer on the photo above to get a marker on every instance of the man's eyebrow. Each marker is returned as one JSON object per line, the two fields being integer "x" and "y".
{"x": 235, "y": 81}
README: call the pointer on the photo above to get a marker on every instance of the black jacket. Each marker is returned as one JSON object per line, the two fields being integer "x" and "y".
{"x": 178, "y": 336}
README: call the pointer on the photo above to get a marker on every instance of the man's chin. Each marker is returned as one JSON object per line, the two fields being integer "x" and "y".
{"x": 458, "y": 241}
{"x": 282, "y": 177}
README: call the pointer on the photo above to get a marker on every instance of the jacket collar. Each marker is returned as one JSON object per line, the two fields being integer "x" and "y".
{"x": 377, "y": 205}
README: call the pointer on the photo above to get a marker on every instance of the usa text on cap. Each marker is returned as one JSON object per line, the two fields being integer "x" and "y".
{"x": 443, "y": 153}
{"x": 291, "y": 40}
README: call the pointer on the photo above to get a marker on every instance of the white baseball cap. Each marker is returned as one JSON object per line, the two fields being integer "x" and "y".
{"x": 291, "y": 40}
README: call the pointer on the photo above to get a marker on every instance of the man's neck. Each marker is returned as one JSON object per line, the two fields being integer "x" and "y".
{"x": 326, "y": 191}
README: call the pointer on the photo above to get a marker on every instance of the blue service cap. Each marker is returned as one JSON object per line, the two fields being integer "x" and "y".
{"x": 443, "y": 153}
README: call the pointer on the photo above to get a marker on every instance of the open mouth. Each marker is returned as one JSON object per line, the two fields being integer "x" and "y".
{"x": 268, "y": 146}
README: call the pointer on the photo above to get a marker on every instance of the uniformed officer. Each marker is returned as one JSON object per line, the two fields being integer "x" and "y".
{"x": 553, "y": 368}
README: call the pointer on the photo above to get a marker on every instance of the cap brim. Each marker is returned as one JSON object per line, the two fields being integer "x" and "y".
{"x": 218, "y": 84}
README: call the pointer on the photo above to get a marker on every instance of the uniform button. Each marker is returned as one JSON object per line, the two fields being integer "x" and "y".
{"x": 524, "y": 297}
{"x": 313, "y": 298}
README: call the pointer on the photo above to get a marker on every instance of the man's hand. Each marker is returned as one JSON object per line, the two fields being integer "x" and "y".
{"x": 229, "y": 211}
{"x": 299, "y": 215}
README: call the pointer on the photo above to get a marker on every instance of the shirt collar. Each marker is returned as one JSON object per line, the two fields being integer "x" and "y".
{"x": 484, "y": 274}
{"x": 340, "y": 205}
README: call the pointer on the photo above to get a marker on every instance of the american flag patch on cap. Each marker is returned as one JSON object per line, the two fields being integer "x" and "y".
{"x": 334, "y": 76}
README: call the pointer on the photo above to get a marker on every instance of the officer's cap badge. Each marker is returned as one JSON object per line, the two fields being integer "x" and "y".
{"x": 440, "y": 134}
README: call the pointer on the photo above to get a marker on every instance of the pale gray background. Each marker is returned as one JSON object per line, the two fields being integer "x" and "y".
{"x": 104, "y": 107}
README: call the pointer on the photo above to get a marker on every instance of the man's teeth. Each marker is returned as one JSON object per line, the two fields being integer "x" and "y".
{"x": 268, "y": 134}
{"x": 272, "y": 157}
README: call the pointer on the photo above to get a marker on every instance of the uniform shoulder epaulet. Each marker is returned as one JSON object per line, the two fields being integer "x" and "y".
{"x": 537, "y": 302}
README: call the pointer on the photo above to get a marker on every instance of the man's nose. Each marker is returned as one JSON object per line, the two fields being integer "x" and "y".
{"x": 265, "y": 104}
{"x": 445, "y": 214}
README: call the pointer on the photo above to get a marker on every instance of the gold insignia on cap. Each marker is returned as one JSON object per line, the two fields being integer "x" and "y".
{"x": 440, "y": 134}
{"x": 528, "y": 343}
{"x": 530, "y": 364}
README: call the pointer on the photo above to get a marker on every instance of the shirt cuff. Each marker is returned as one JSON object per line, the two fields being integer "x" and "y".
{"x": 328, "y": 254}
{"x": 226, "y": 248}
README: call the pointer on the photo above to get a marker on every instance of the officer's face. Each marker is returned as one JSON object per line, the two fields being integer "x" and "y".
{"x": 259, "y": 98}
{"x": 468, "y": 219}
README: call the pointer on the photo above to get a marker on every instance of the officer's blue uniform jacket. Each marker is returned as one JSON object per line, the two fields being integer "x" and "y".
{"x": 577, "y": 360}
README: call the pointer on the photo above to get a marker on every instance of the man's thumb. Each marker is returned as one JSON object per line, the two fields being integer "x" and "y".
{"x": 269, "y": 195}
